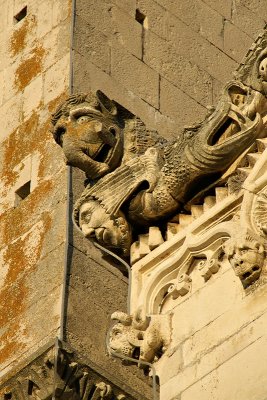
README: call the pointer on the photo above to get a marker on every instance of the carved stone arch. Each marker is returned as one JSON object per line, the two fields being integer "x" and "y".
{"x": 176, "y": 269}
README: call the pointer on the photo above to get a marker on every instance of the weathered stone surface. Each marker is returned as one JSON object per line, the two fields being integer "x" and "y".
{"x": 128, "y": 32}
{"x": 92, "y": 43}
{"x": 92, "y": 281}
{"x": 222, "y": 7}
{"x": 248, "y": 20}
{"x": 156, "y": 17}
{"x": 256, "y": 6}
{"x": 134, "y": 74}
{"x": 236, "y": 42}
{"x": 226, "y": 381}
{"x": 171, "y": 97}
{"x": 56, "y": 83}
{"x": 176, "y": 68}
{"x": 33, "y": 229}
{"x": 94, "y": 79}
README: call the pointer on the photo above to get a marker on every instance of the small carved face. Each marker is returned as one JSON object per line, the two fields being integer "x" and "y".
{"x": 119, "y": 342}
{"x": 247, "y": 262}
{"x": 109, "y": 232}
{"x": 124, "y": 340}
{"x": 89, "y": 141}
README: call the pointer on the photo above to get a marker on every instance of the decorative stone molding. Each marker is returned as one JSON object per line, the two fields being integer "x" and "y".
{"x": 56, "y": 374}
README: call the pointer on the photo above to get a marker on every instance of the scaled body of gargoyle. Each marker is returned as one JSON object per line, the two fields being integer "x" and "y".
{"x": 139, "y": 178}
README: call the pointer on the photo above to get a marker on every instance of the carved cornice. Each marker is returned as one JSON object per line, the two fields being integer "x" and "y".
{"x": 57, "y": 374}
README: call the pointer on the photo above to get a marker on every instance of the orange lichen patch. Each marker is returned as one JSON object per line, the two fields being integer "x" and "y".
{"x": 18, "y": 40}
{"x": 29, "y": 68}
{"x": 16, "y": 147}
{"x": 21, "y": 141}
{"x": 13, "y": 302}
{"x": 70, "y": 8}
{"x": 45, "y": 163}
{"x": 10, "y": 345}
{"x": 30, "y": 136}
{"x": 21, "y": 257}
{"x": 14, "y": 223}
{"x": 26, "y": 244}
{"x": 53, "y": 104}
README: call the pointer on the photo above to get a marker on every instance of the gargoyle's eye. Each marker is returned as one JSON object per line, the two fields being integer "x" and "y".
{"x": 83, "y": 119}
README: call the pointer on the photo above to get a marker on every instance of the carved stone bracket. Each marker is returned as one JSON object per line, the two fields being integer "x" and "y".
{"x": 246, "y": 254}
{"x": 57, "y": 374}
{"x": 143, "y": 338}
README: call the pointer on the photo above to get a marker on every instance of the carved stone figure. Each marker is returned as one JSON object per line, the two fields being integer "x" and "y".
{"x": 89, "y": 133}
{"x": 137, "y": 178}
{"x": 246, "y": 255}
{"x": 57, "y": 375}
{"x": 141, "y": 338}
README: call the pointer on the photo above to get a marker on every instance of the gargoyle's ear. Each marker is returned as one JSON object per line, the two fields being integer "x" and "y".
{"x": 106, "y": 104}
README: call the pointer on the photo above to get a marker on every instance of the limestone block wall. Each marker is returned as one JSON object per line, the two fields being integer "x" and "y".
{"x": 164, "y": 60}
{"x": 218, "y": 348}
{"x": 34, "y": 76}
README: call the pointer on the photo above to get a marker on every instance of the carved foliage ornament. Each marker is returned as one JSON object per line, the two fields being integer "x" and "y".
{"x": 139, "y": 179}
{"x": 57, "y": 375}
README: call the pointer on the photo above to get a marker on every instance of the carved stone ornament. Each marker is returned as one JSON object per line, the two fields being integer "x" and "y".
{"x": 140, "y": 180}
{"x": 55, "y": 374}
{"x": 246, "y": 254}
{"x": 141, "y": 338}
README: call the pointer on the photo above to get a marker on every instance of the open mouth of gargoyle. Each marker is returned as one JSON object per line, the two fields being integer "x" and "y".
{"x": 231, "y": 122}
{"x": 226, "y": 129}
{"x": 104, "y": 153}
{"x": 109, "y": 152}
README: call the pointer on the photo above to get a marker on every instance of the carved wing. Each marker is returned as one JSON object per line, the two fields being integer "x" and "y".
{"x": 113, "y": 189}
{"x": 138, "y": 139}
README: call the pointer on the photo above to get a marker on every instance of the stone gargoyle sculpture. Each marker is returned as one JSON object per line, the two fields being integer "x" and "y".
{"x": 143, "y": 339}
{"x": 138, "y": 178}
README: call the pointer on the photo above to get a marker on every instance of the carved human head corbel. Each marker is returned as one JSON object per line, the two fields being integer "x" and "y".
{"x": 246, "y": 255}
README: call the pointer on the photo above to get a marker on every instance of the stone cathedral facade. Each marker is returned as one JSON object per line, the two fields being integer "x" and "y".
{"x": 133, "y": 199}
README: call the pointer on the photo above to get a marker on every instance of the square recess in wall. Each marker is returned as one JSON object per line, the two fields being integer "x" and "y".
{"x": 20, "y": 15}
{"x": 22, "y": 193}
